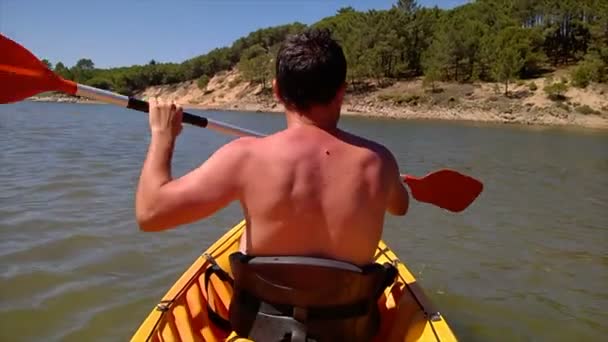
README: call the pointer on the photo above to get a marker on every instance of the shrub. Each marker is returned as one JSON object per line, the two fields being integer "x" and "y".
{"x": 588, "y": 71}
{"x": 586, "y": 110}
{"x": 532, "y": 86}
{"x": 100, "y": 82}
{"x": 400, "y": 98}
{"x": 581, "y": 76}
{"x": 563, "y": 106}
{"x": 202, "y": 82}
{"x": 233, "y": 83}
{"x": 556, "y": 91}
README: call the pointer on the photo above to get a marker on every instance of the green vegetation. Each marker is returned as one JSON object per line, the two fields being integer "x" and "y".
{"x": 556, "y": 90}
{"x": 489, "y": 40}
{"x": 590, "y": 69}
{"x": 234, "y": 82}
{"x": 202, "y": 82}
{"x": 47, "y": 63}
{"x": 256, "y": 64}
{"x": 586, "y": 110}
{"x": 399, "y": 98}
{"x": 563, "y": 106}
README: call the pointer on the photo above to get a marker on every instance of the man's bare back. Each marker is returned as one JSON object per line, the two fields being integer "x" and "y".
{"x": 311, "y": 192}
{"x": 311, "y": 189}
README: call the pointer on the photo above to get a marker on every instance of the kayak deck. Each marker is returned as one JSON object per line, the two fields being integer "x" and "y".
{"x": 181, "y": 315}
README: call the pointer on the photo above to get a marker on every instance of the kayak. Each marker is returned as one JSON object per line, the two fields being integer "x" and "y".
{"x": 183, "y": 314}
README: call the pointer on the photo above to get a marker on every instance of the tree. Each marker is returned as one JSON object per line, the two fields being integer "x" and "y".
{"x": 256, "y": 65}
{"x": 407, "y": 6}
{"x": 346, "y": 10}
{"x": 62, "y": 71}
{"x": 510, "y": 51}
{"x": 434, "y": 60}
{"x": 507, "y": 66}
{"x": 202, "y": 82}
{"x": 85, "y": 64}
{"x": 100, "y": 82}
{"x": 418, "y": 34}
{"x": 47, "y": 63}
{"x": 432, "y": 74}
{"x": 83, "y": 70}
{"x": 348, "y": 27}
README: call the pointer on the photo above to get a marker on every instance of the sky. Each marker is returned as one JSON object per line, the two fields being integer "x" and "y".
{"x": 126, "y": 32}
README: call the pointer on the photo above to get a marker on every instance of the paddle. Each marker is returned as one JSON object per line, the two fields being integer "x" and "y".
{"x": 23, "y": 75}
{"x": 447, "y": 189}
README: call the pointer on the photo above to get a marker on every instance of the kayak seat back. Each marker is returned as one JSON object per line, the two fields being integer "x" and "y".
{"x": 293, "y": 298}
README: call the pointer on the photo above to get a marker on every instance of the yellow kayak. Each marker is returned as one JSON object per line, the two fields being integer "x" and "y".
{"x": 406, "y": 314}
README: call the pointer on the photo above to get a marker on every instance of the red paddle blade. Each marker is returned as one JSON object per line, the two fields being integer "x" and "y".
{"x": 447, "y": 189}
{"x": 23, "y": 75}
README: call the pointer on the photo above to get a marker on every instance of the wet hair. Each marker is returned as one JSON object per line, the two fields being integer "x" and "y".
{"x": 310, "y": 69}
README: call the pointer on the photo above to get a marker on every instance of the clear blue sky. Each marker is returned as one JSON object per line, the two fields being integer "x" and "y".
{"x": 126, "y": 32}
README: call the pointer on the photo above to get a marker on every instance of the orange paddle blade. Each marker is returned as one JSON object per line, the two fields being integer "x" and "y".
{"x": 447, "y": 189}
{"x": 23, "y": 75}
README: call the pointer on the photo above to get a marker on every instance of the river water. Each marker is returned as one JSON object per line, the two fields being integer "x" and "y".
{"x": 527, "y": 262}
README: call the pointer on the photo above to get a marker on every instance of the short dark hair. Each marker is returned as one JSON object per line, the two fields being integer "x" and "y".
{"x": 310, "y": 69}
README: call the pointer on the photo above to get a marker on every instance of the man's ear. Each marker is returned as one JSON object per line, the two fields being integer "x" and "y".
{"x": 276, "y": 91}
{"x": 341, "y": 93}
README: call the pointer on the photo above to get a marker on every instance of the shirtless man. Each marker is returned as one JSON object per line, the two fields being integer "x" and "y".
{"x": 311, "y": 189}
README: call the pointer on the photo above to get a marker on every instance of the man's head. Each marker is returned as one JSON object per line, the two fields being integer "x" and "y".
{"x": 310, "y": 71}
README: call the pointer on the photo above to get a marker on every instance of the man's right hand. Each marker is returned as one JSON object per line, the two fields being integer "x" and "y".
{"x": 165, "y": 118}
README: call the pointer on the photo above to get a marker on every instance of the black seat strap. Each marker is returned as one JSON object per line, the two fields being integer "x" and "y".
{"x": 214, "y": 317}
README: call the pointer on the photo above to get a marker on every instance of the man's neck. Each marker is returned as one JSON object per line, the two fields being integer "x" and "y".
{"x": 323, "y": 119}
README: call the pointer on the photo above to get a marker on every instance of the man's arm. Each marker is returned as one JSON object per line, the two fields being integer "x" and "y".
{"x": 398, "y": 197}
{"x": 163, "y": 203}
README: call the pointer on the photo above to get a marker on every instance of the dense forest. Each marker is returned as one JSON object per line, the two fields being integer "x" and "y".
{"x": 488, "y": 40}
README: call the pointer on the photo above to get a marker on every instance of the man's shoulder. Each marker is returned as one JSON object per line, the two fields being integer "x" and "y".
{"x": 376, "y": 151}
{"x": 236, "y": 149}
{"x": 362, "y": 142}
{"x": 247, "y": 146}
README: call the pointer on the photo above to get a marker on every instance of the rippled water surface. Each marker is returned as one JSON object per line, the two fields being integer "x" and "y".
{"x": 528, "y": 261}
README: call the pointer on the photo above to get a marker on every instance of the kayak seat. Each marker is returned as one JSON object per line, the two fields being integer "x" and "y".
{"x": 289, "y": 298}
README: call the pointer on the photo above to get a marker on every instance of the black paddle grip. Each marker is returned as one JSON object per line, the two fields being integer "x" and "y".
{"x": 188, "y": 118}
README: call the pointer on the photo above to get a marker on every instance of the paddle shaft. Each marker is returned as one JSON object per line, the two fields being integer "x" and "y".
{"x": 421, "y": 189}
{"x": 143, "y": 106}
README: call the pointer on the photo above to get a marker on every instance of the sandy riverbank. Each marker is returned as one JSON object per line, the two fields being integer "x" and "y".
{"x": 480, "y": 102}
{"x": 61, "y": 98}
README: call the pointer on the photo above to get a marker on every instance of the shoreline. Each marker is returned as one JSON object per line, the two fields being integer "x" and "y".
{"x": 438, "y": 113}
{"x": 63, "y": 99}
{"x": 541, "y": 117}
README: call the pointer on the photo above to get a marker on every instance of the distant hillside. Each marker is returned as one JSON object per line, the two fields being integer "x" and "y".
{"x": 528, "y": 102}
{"x": 487, "y": 40}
